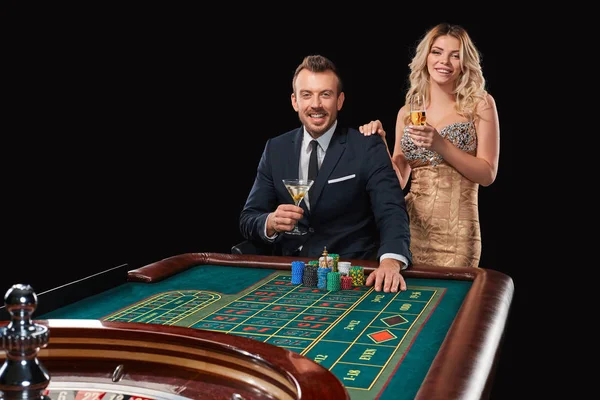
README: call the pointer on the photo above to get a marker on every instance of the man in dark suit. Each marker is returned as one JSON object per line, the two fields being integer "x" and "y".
{"x": 355, "y": 206}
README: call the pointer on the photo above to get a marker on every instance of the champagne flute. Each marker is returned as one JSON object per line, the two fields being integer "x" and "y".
{"x": 297, "y": 189}
{"x": 417, "y": 112}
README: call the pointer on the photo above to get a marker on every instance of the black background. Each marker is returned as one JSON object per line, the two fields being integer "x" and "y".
{"x": 134, "y": 135}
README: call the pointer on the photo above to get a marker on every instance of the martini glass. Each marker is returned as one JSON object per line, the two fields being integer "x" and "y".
{"x": 298, "y": 189}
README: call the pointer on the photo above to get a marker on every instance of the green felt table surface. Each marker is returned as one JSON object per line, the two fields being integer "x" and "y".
{"x": 380, "y": 345}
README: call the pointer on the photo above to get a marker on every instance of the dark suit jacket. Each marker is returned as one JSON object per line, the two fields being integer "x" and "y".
{"x": 357, "y": 207}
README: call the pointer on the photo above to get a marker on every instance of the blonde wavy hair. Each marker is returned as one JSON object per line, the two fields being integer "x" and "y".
{"x": 470, "y": 86}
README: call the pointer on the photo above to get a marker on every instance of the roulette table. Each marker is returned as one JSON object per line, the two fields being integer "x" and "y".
{"x": 93, "y": 360}
{"x": 439, "y": 339}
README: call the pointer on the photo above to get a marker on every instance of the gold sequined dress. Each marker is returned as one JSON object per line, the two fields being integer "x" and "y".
{"x": 442, "y": 204}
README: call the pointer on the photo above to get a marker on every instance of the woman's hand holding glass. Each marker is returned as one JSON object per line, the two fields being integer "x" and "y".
{"x": 426, "y": 137}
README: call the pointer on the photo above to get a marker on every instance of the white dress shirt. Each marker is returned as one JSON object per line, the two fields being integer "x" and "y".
{"x": 323, "y": 141}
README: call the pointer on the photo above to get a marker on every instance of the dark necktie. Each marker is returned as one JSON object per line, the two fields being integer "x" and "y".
{"x": 313, "y": 164}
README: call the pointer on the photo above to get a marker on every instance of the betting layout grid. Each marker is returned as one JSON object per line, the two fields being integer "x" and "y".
{"x": 305, "y": 338}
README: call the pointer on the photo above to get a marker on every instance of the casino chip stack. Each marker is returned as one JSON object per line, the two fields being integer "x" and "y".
{"x": 357, "y": 274}
{"x": 326, "y": 262}
{"x": 335, "y": 259}
{"x": 310, "y": 276}
{"x": 346, "y": 283}
{"x": 333, "y": 281}
{"x": 322, "y": 277}
{"x": 297, "y": 272}
{"x": 344, "y": 267}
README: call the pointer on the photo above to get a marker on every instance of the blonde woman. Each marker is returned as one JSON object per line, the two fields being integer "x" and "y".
{"x": 452, "y": 154}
